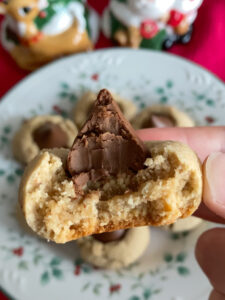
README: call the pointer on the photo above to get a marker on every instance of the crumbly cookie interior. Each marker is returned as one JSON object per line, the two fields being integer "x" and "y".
{"x": 168, "y": 188}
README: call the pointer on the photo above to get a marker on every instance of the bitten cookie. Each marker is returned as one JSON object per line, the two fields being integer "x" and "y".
{"x": 161, "y": 116}
{"x": 85, "y": 104}
{"x": 170, "y": 187}
{"x": 115, "y": 254}
{"x": 42, "y": 132}
{"x": 110, "y": 180}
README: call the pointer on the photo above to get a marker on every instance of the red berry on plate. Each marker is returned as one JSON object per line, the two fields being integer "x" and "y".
{"x": 18, "y": 251}
{"x": 95, "y": 77}
{"x": 115, "y": 288}
{"x": 209, "y": 119}
{"x": 57, "y": 109}
{"x": 77, "y": 271}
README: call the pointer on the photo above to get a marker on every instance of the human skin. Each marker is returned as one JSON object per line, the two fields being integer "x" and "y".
{"x": 209, "y": 144}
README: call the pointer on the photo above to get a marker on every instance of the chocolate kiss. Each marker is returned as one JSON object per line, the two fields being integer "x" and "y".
{"x": 108, "y": 237}
{"x": 50, "y": 135}
{"x": 106, "y": 145}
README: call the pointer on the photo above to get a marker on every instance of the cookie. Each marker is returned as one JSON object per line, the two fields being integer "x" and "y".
{"x": 161, "y": 116}
{"x": 115, "y": 254}
{"x": 42, "y": 132}
{"x": 84, "y": 105}
{"x": 109, "y": 180}
{"x": 21, "y": 223}
{"x": 186, "y": 224}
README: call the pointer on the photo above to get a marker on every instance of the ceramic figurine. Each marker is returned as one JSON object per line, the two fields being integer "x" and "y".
{"x": 181, "y": 18}
{"x": 35, "y": 32}
{"x": 149, "y": 24}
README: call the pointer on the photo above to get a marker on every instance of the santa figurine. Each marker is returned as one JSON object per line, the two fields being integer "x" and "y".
{"x": 137, "y": 23}
{"x": 180, "y": 21}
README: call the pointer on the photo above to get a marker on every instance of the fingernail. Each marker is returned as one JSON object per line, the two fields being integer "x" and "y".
{"x": 214, "y": 181}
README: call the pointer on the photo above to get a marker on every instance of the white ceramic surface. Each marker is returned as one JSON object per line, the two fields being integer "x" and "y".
{"x": 31, "y": 268}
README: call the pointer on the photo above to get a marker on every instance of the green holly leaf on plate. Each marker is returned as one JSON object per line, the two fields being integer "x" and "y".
{"x": 2, "y": 172}
{"x": 168, "y": 257}
{"x": 181, "y": 257}
{"x": 65, "y": 85}
{"x": 96, "y": 289}
{"x": 134, "y": 298}
{"x": 57, "y": 273}
{"x": 183, "y": 271}
{"x": 45, "y": 278}
{"x": 147, "y": 294}
{"x": 23, "y": 265}
{"x": 10, "y": 178}
{"x": 55, "y": 261}
{"x": 78, "y": 261}
{"x": 169, "y": 84}
{"x": 7, "y": 130}
{"x": 86, "y": 269}
{"x": 37, "y": 258}
{"x": 19, "y": 172}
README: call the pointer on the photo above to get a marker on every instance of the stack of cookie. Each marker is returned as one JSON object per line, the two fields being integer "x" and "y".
{"x": 110, "y": 186}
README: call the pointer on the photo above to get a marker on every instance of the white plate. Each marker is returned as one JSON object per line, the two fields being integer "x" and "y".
{"x": 31, "y": 268}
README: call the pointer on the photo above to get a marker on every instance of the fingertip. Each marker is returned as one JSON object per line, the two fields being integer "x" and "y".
{"x": 213, "y": 181}
{"x": 216, "y": 296}
{"x": 209, "y": 253}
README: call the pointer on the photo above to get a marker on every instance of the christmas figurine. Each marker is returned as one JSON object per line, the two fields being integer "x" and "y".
{"x": 35, "y": 32}
{"x": 181, "y": 18}
{"x": 151, "y": 24}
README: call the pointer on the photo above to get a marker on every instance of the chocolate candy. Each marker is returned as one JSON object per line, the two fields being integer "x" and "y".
{"x": 107, "y": 144}
{"x": 107, "y": 237}
{"x": 50, "y": 135}
{"x": 158, "y": 121}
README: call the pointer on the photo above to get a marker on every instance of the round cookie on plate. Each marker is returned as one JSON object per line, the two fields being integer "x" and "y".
{"x": 160, "y": 116}
{"x": 114, "y": 250}
{"x": 42, "y": 132}
{"x": 186, "y": 224}
{"x": 84, "y": 105}
{"x": 36, "y": 32}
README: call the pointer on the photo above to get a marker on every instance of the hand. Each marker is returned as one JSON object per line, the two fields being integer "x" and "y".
{"x": 209, "y": 144}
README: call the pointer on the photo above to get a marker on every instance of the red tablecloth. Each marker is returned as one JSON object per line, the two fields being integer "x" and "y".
{"x": 206, "y": 48}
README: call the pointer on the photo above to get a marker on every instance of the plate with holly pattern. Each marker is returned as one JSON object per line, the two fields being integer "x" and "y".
{"x": 31, "y": 268}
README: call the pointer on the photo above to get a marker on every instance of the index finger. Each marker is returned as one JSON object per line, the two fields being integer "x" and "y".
{"x": 203, "y": 140}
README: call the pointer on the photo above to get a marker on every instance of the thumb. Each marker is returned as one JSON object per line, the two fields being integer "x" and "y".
{"x": 214, "y": 184}
{"x": 210, "y": 256}
{"x": 216, "y": 296}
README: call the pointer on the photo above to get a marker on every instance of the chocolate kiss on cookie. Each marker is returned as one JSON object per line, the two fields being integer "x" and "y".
{"x": 50, "y": 135}
{"x": 107, "y": 145}
{"x": 108, "y": 237}
{"x": 158, "y": 121}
